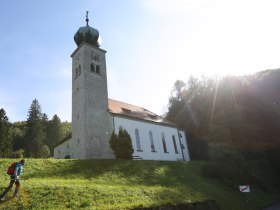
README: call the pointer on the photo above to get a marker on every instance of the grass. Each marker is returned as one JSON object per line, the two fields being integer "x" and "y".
{"x": 119, "y": 184}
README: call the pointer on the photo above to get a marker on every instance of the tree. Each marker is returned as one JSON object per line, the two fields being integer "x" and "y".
{"x": 66, "y": 128}
{"x": 54, "y": 133}
{"x": 178, "y": 89}
{"x": 18, "y": 138}
{"x": 5, "y": 135}
{"x": 121, "y": 145}
{"x": 35, "y": 134}
{"x": 45, "y": 151}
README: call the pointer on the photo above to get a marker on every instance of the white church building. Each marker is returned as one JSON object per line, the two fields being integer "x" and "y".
{"x": 95, "y": 116}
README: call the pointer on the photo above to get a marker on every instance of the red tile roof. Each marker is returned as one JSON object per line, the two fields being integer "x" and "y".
{"x": 132, "y": 111}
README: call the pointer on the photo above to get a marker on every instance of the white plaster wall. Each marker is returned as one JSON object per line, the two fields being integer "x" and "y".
{"x": 62, "y": 150}
{"x": 157, "y": 129}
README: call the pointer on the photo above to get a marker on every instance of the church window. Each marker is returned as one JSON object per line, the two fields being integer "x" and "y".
{"x": 77, "y": 72}
{"x": 97, "y": 69}
{"x": 126, "y": 110}
{"x": 163, "y": 143}
{"x": 92, "y": 67}
{"x": 152, "y": 142}
{"x": 80, "y": 69}
{"x": 175, "y": 145}
{"x": 137, "y": 136}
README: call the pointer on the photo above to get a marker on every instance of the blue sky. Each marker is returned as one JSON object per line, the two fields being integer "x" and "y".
{"x": 149, "y": 43}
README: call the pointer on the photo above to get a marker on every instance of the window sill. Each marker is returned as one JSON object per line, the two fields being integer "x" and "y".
{"x": 95, "y": 73}
{"x": 139, "y": 150}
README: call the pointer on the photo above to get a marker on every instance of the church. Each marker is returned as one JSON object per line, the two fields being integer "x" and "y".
{"x": 95, "y": 116}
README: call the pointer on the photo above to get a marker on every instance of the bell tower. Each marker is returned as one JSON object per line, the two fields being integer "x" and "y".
{"x": 91, "y": 127}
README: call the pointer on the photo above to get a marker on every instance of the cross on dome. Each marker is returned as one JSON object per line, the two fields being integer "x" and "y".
{"x": 87, "y": 18}
{"x": 88, "y": 35}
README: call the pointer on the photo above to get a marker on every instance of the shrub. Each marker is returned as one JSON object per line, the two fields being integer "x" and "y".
{"x": 121, "y": 145}
{"x": 45, "y": 151}
{"x": 18, "y": 154}
{"x": 198, "y": 148}
{"x": 246, "y": 167}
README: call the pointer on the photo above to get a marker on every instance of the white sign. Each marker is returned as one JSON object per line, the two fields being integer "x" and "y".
{"x": 244, "y": 188}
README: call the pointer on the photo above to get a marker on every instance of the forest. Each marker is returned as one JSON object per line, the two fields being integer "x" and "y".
{"x": 233, "y": 122}
{"x": 35, "y": 137}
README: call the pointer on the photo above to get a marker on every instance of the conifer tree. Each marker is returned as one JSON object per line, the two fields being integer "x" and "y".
{"x": 121, "y": 145}
{"x": 54, "y": 132}
{"x": 35, "y": 134}
{"x": 5, "y": 135}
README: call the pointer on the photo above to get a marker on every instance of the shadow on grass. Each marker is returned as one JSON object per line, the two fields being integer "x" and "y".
{"x": 136, "y": 172}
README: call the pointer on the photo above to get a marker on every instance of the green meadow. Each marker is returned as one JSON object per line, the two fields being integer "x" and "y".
{"x": 121, "y": 184}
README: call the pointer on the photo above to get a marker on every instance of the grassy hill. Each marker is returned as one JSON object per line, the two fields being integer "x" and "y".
{"x": 116, "y": 184}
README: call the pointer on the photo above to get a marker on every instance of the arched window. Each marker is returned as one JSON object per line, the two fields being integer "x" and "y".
{"x": 174, "y": 143}
{"x": 97, "y": 69}
{"x": 80, "y": 69}
{"x": 152, "y": 141}
{"x": 163, "y": 143}
{"x": 92, "y": 67}
{"x": 137, "y": 136}
{"x": 120, "y": 128}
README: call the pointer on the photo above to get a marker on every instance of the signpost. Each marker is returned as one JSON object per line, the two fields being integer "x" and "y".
{"x": 245, "y": 189}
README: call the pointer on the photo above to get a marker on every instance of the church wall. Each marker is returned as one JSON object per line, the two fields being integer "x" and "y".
{"x": 63, "y": 150}
{"x": 144, "y": 127}
{"x": 78, "y": 109}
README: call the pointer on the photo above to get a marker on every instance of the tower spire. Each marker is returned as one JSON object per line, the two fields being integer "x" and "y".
{"x": 87, "y": 18}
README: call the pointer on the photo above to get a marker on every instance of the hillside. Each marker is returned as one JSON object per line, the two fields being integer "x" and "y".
{"x": 242, "y": 111}
{"x": 116, "y": 184}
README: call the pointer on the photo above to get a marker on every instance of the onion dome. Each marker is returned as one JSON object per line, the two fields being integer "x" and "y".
{"x": 87, "y": 34}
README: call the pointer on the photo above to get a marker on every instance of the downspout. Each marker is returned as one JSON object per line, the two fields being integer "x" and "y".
{"x": 114, "y": 122}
